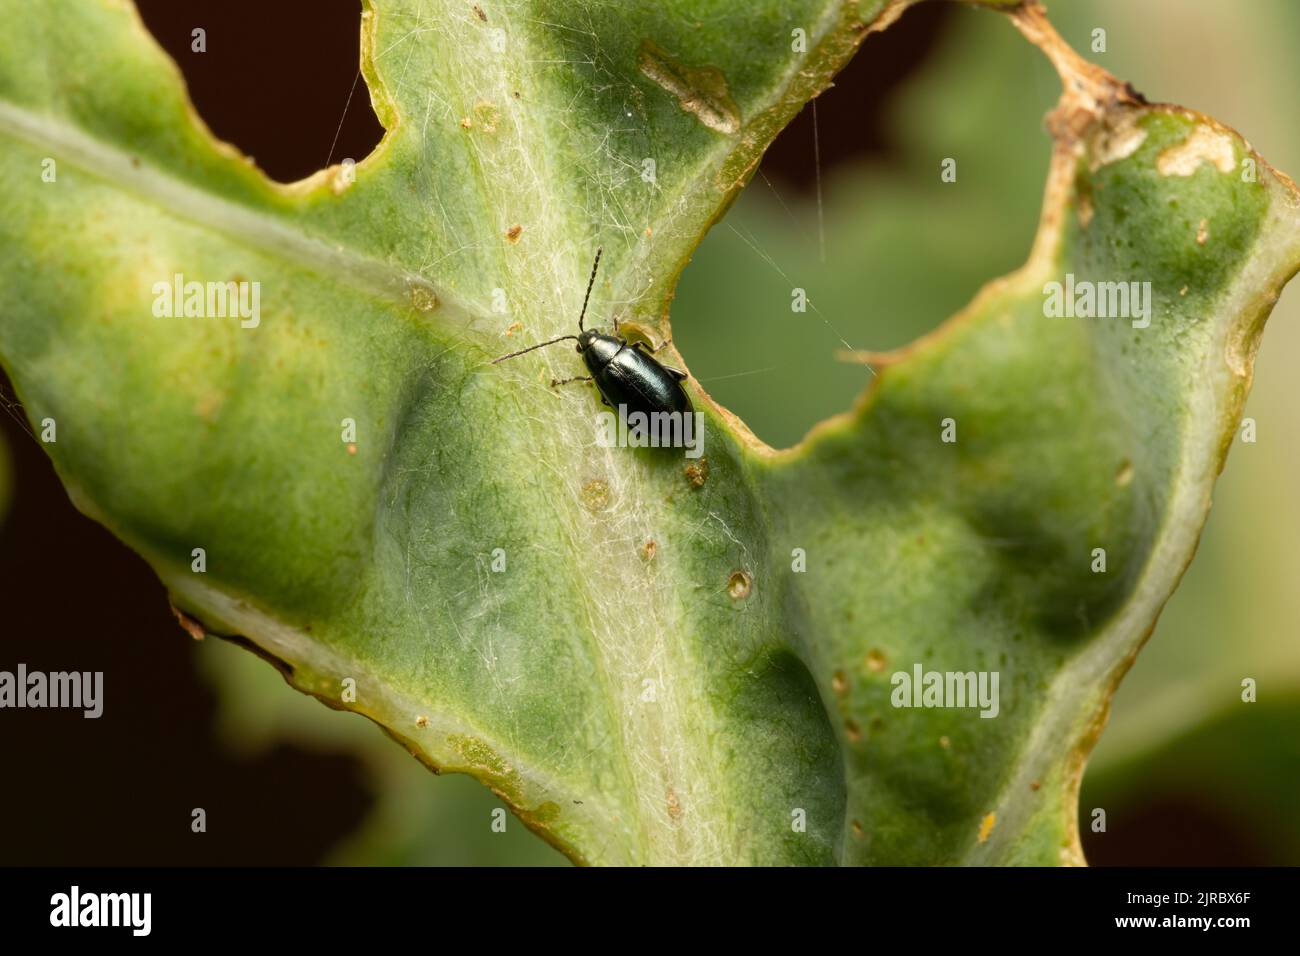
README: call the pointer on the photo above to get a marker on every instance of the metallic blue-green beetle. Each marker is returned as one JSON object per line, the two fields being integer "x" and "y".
{"x": 626, "y": 375}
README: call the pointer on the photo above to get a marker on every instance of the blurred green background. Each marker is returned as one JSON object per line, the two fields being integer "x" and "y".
{"x": 1187, "y": 773}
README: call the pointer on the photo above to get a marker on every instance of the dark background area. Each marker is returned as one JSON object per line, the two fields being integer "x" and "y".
{"x": 119, "y": 790}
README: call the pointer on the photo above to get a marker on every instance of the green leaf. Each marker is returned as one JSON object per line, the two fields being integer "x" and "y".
{"x": 411, "y": 822}
{"x": 650, "y": 679}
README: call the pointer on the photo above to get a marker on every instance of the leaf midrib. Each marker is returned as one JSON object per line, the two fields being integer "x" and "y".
{"x": 236, "y": 222}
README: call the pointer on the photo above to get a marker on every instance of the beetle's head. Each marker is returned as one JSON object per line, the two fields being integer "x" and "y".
{"x": 585, "y": 338}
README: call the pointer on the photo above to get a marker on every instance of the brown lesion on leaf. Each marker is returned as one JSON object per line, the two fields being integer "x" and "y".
{"x": 1116, "y": 136}
{"x": 1208, "y": 143}
{"x": 191, "y": 626}
{"x": 700, "y": 91}
{"x": 422, "y": 299}
{"x": 595, "y": 494}
{"x": 514, "y": 232}
{"x": 740, "y": 584}
{"x": 697, "y": 472}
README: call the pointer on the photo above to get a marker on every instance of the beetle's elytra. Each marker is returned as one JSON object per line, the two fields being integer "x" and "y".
{"x": 627, "y": 376}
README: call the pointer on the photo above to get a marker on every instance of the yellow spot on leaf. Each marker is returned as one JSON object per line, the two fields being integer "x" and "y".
{"x": 986, "y": 827}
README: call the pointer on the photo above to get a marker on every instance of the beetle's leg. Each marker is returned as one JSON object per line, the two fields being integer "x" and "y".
{"x": 566, "y": 381}
{"x": 638, "y": 344}
{"x": 674, "y": 372}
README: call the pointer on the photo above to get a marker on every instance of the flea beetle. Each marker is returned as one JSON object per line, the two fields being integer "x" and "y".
{"x": 626, "y": 375}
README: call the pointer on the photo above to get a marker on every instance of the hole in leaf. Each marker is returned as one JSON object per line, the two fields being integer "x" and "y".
{"x": 280, "y": 80}
{"x": 854, "y": 125}
{"x": 884, "y": 250}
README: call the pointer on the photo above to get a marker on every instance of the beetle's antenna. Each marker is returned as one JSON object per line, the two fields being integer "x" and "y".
{"x": 590, "y": 283}
{"x": 581, "y": 315}
{"x": 540, "y": 345}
